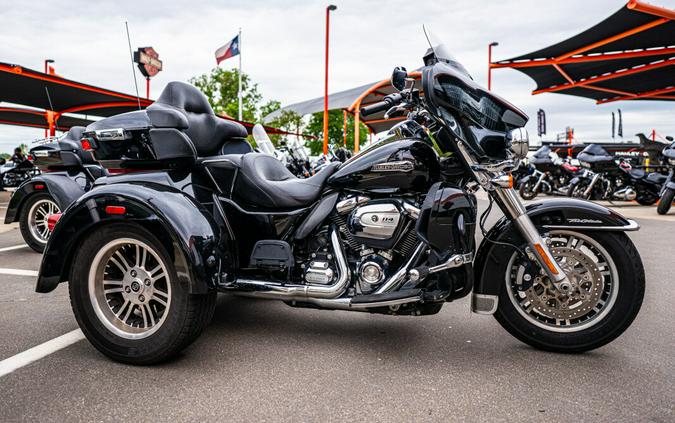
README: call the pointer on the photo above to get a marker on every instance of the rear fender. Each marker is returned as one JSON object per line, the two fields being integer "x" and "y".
{"x": 186, "y": 229}
{"x": 65, "y": 188}
{"x": 565, "y": 213}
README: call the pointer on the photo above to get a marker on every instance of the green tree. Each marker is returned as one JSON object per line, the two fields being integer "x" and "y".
{"x": 288, "y": 120}
{"x": 221, "y": 87}
{"x": 335, "y": 131}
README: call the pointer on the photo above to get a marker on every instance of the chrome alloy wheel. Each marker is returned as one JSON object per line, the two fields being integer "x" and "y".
{"x": 129, "y": 288}
{"x": 594, "y": 279}
{"x": 38, "y": 217}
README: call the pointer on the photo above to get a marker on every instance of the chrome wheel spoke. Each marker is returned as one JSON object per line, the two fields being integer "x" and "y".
{"x": 130, "y": 304}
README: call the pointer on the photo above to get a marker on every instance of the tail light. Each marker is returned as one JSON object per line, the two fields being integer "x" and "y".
{"x": 115, "y": 209}
{"x": 39, "y": 186}
{"x": 87, "y": 144}
{"x": 52, "y": 219}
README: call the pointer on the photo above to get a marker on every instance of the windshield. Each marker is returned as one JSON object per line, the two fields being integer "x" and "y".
{"x": 439, "y": 52}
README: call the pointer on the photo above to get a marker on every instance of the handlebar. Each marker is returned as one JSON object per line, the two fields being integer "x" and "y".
{"x": 388, "y": 102}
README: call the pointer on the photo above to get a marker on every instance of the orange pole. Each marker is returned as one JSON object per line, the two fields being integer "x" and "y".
{"x": 492, "y": 44}
{"x": 325, "y": 85}
{"x": 357, "y": 114}
{"x": 344, "y": 127}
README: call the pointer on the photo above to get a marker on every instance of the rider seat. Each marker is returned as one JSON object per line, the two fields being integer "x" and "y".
{"x": 265, "y": 182}
{"x": 656, "y": 178}
{"x": 182, "y": 106}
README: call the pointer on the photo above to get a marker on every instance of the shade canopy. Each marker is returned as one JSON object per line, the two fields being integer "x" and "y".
{"x": 351, "y": 101}
{"x": 628, "y": 56}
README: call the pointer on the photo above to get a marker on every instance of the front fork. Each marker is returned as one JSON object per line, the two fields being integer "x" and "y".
{"x": 518, "y": 214}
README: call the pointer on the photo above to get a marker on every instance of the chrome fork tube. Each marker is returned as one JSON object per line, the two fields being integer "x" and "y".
{"x": 518, "y": 214}
{"x": 591, "y": 185}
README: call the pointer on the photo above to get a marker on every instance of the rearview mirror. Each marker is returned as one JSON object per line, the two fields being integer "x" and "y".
{"x": 669, "y": 138}
{"x": 520, "y": 142}
{"x": 398, "y": 77}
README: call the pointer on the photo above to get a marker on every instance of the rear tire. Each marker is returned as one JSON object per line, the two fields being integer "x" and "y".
{"x": 33, "y": 220}
{"x": 172, "y": 318}
{"x": 596, "y": 327}
{"x": 666, "y": 201}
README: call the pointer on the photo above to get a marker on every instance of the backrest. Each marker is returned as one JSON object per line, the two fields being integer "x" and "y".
{"x": 73, "y": 142}
{"x": 208, "y": 132}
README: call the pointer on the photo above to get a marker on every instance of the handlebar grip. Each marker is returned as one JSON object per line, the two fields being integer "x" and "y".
{"x": 383, "y": 105}
{"x": 375, "y": 108}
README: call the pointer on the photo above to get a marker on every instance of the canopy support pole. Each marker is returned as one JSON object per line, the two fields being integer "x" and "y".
{"x": 357, "y": 115}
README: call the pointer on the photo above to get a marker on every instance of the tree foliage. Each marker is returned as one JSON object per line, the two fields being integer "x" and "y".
{"x": 221, "y": 87}
{"x": 335, "y": 131}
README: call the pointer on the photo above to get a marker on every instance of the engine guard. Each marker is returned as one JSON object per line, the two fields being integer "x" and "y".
{"x": 548, "y": 215}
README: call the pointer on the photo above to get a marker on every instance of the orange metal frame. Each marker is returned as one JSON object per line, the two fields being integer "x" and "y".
{"x": 664, "y": 15}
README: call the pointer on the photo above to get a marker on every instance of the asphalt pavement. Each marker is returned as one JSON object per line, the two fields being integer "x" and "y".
{"x": 264, "y": 361}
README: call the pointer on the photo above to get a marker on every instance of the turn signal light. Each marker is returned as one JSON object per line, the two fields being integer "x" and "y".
{"x": 52, "y": 219}
{"x": 547, "y": 260}
{"x": 115, "y": 209}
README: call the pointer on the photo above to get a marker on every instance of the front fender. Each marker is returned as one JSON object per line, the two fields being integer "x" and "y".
{"x": 563, "y": 213}
{"x": 64, "y": 187}
{"x": 184, "y": 227}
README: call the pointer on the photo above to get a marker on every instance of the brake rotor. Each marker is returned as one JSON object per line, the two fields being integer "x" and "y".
{"x": 587, "y": 287}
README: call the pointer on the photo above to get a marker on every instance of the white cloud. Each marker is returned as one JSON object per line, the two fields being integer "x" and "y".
{"x": 283, "y": 45}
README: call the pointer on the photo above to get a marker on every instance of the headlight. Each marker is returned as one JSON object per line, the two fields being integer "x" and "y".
{"x": 520, "y": 143}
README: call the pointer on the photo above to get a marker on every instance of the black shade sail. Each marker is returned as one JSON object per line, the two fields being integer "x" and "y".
{"x": 628, "y": 56}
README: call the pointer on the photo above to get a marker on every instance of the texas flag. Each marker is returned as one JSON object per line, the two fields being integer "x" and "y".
{"x": 230, "y": 49}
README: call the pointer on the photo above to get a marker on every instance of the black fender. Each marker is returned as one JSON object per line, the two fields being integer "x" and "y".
{"x": 185, "y": 227}
{"x": 64, "y": 187}
{"x": 563, "y": 213}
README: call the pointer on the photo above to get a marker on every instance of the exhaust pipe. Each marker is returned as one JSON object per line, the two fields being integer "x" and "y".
{"x": 627, "y": 193}
{"x": 276, "y": 291}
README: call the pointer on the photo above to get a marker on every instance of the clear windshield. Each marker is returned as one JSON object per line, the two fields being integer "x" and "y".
{"x": 441, "y": 52}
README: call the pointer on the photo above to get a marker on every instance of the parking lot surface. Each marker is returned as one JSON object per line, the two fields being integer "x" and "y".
{"x": 265, "y": 361}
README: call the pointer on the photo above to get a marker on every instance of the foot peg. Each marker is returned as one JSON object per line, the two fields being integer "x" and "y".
{"x": 420, "y": 273}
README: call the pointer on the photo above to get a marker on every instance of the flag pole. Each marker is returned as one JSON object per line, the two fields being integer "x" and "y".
{"x": 239, "y": 48}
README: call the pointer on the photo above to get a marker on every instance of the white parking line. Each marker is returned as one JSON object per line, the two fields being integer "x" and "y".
{"x": 20, "y": 360}
{"x": 13, "y": 247}
{"x": 17, "y": 272}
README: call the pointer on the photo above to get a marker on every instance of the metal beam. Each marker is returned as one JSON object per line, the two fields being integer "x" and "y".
{"x": 646, "y": 94}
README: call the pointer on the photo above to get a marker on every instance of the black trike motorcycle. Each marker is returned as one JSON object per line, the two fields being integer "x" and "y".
{"x": 389, "y": 231}
{"x": 66, "y": 173}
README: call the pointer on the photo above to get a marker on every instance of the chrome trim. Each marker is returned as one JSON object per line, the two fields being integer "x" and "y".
{"x": 413, "y": 211}
{"x": 348, "y": 204}
{"x": 305, "y": 293}
{"x": 398, "y": 278}
{"x": 400, "y": 166}
{"x": 474, "y": 303}
{"x": 631, "y": 226}
{"x": 115, "y": 134}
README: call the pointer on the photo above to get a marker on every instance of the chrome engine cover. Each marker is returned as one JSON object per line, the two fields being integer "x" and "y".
{"x": 319, "y": 273}
{"x": 377, "y": 221}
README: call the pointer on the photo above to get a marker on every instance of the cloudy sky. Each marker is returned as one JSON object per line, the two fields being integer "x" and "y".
{"x": 283, "y": 47}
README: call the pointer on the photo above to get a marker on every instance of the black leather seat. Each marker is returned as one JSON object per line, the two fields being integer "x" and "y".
{"x": 656, "y": 178}
{"x": 72, "y": 141}
{"x": 183, "y": 106}
{"x": 264, "y": 181}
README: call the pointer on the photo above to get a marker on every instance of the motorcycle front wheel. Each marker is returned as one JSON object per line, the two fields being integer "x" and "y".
{"x": 128, "y": 300}
{"x": 527, "y": 191}
{"x": 666, "y": 201}
{"x": 576, "y": 190}
{"x": 608, "y": 286}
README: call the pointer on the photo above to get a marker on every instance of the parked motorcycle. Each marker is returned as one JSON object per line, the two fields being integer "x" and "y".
{"x": 13, "y": 174}
{"x": 67, "y": 173}
{"x": 668, "y": 188}
{"x": 390, "y": 231}
{"x": 551, "y": 175}
{"x": 609, "y": 180}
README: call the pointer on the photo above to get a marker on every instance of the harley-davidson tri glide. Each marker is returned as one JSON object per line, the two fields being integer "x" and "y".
{"x": 389, "y": 231}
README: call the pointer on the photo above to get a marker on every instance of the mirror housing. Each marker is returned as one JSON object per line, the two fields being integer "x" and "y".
{"x": 520, "y": 143}
{"x": 398, "y": 77}
{"x": 669, "y": 138}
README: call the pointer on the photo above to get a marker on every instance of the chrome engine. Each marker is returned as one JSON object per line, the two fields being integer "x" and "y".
{"x": 379, "y": 233}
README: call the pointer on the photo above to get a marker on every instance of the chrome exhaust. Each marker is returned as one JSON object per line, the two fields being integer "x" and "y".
{"x": 276, "y": 291}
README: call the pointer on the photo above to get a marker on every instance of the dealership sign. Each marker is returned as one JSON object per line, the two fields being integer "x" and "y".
{"x": 148, "y": 61}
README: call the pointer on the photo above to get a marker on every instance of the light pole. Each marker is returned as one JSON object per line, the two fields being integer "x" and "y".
{"x": 492, "y": 44}
{"x": 325, "y": 86}
{"x": 47, "y": 62}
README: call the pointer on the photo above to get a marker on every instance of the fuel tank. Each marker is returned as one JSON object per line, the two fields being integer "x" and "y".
{"x": 394, "y": 165}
